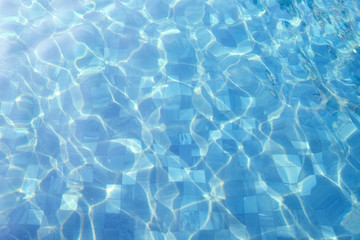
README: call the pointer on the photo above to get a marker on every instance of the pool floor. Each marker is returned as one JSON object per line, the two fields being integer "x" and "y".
{"x": 179, "y": 119}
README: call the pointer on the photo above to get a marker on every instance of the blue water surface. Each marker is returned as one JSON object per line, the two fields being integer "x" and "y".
{"x": 179, "y": 119}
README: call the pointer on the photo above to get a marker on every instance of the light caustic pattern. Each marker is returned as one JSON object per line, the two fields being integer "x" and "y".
{"x": 185, "y": 119}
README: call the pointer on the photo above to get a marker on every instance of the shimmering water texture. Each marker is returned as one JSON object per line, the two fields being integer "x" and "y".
{"x": 182, "y": 119}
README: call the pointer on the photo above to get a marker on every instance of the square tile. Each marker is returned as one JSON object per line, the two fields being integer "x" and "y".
{"x": 69, "y": 201}
{"x": 250, "y": 204}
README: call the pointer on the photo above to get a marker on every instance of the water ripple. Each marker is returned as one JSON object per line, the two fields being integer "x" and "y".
{"x": 138, "y": 119}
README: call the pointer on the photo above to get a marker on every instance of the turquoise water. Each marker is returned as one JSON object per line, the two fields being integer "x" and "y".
{"x": 159, "y": 119}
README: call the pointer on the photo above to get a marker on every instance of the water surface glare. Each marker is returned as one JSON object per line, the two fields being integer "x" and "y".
{"x": 179, "y": 119}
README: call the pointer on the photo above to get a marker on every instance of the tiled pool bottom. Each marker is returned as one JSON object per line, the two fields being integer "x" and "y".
{"x": 185, "y": 119}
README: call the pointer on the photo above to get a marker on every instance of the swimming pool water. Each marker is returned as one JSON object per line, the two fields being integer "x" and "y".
{"x": 179, "y": 119}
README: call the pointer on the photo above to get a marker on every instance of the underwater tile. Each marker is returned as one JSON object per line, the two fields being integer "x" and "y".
{"x": 113, "y": 191}
{"x": 128, "y": 180}
{"x": 35, "y": 217}
{"x": 175, "y": 174}
{"x": 163, "y": 119}
{"x": 199, "y": 176}
{"x": 113, "y": 205}
{"x": 69, "y": 202}
{"x": 250, "y": 204}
